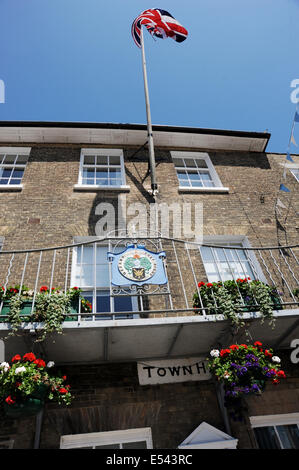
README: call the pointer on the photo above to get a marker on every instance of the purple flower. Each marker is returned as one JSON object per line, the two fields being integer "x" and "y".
{"x": 255, "y": 388}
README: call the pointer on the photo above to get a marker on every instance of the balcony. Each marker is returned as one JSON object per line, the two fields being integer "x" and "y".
{"x": 147, "y": 321}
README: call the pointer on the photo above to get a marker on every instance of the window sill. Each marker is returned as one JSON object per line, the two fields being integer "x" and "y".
{"x": 90, "y": 188}
{"x": 11, "y": 187}
{"x": 221, "y": 189}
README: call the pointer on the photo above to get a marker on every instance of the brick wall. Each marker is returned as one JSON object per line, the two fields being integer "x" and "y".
{"x": 109, "y": 397}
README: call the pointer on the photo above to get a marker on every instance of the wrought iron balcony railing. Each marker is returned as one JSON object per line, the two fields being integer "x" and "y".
{"x": 187, "y": 266}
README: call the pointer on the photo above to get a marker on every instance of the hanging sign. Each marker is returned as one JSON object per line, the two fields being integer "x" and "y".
{"x": 137, "y": 265}
{"x": 173, "y": 370}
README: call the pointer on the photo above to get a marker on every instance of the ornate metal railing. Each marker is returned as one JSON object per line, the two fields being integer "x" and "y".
{"x": 187, "y": 264}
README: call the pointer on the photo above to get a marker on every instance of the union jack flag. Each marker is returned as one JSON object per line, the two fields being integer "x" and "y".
{"x": 160, "y": 24}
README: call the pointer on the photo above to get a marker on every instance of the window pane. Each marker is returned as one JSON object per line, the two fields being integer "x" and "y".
{"x": 86, "y": 252}
{"x": 266, "y": 438}
{"x": 103, "y": 302}
{"x": 123, "y": 304}
{"x": 3, "y": 181}
{"x": 135, "y": 445}
{"x": 15, "y": 181}
{"x": 22, "y": 159}
{"x": 88, "y": 172}
{"x": 108, "y": 446}
{"x": 102, "y": 160}
{"x": 114, "y": 173}
{"x": 190, "y": 163}
{"x": 289, "y": 436}
{"x": 114, "y": 160}
{"x": 178, "y": 162}
{"x": 1, "y": 158}
{"x": 102, "y": 182}
{"x": 89, "y": 159}
{"x": 17, "y": 173}
{"x": 196, "y": 183}
{"x": 102, "y": 173}
{"x": 6, "y": 173}
{"x": 182, "y": 175}
{"x": 10, "y": 158}
{"x": 201, "y": 163}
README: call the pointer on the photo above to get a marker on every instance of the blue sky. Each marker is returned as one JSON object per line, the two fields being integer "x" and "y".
{"x": 75, "y": 60}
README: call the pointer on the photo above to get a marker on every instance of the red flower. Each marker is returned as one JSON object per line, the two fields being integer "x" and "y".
{"x": 63, "y": 391}
{"x": 29, "y": 357}
{"x": 244, "y": 346}
{"x": 9, "y": 400}
{"x": 233, "y": 347}
{"x": 201, "y": 284}
{"x": 275, "y": 381}
{"x": 75, "y": 288}
{"x": 209, "y": 284}
{"x": 267, "y": 353}
{"x": 40, "y": 363}
{"x": 281, "y": 373}
{"x": 224, "y": 352}
{"x": 16, "y": 358}
{"x": 44, "y": 289}
{"x": 18, "y": 384}
{"x": 258, "y": 344}
{"x": 64, "y": 377}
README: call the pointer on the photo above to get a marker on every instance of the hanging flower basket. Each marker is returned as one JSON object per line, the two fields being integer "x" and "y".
{"x": 29, "y": 407}
{"x": 51, "y": 308}
{"x": 234, "y": 297}
{"x": 245, "y": 370}
{"x": 28, "y": 383}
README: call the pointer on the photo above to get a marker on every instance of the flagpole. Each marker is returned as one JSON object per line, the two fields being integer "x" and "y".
{"x": 152, "y": 161}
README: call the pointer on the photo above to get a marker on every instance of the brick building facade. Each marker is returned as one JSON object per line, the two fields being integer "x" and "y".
{"x": 50, "y": 201}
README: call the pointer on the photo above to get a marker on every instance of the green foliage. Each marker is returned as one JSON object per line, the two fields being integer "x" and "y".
{"x": 232, "y": 298}
{"x": 245, "y": 369}
{"x": 14, "y": 317}
{"x": 51, "y": 309}
{"x": 29, "y": 377}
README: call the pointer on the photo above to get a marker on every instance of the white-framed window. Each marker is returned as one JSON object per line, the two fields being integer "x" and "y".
{"x": 91, "y": 273}
{"x": 223, "y": 264}
{"x": 13, "y": 162}
{"x": 196, "y": 172}
{"x": 102, "y": 169}
{"x": 276, "y": 431}
{"x": 140, "y": 438}
{"x": 295, "y": 173}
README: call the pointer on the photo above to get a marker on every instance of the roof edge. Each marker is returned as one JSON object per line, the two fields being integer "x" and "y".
{"x": 141, "y": 127}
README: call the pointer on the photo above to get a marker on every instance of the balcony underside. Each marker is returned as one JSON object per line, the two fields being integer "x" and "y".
{"x": 94, "y": 342}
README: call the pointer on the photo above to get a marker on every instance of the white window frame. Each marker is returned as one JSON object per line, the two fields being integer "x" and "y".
{"x": 210, "y": 168}
{"x": 102, "y": 152}
{"x": 74, "y": 441}
{"x": 94, "y": 288}
{"x": 14, "y": 151}
{"x": 273, "y": 421}
{"x": 242, "y": 239}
